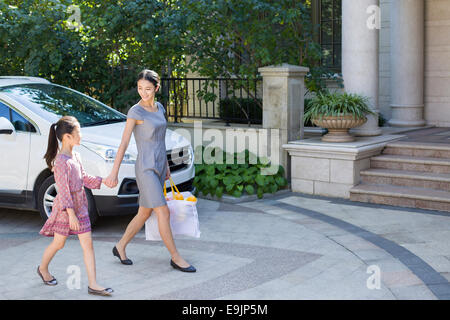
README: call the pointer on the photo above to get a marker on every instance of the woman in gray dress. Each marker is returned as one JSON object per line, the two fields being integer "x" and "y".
{"x": 147, "y": 121}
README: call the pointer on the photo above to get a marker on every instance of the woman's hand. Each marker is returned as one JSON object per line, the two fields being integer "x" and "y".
{"x": 167, "y": 173}
{"x": 73, "y": 220}
{"x": 111, "y": 181}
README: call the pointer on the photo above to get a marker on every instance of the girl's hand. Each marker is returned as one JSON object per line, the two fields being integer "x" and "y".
{"x": 73, "y": 222}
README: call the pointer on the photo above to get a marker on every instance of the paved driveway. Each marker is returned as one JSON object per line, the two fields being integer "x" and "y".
{"x": 288, "y": 247}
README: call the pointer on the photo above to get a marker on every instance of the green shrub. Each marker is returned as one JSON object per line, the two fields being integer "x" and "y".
{"x": 232, "y": 110}
{"x": 236, "y": 179}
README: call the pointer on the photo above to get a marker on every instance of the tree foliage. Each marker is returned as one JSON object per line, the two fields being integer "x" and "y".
{"x": 116, "y": 39}
{"x": 235, "y": 37}
{"x": 101, "y": 58}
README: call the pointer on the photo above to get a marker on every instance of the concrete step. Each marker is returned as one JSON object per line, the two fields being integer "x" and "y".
{"x": 417, "y": 149}
{"x": 402, "y": 196}
{"x": 437, "y": 181}
{"x": 408, "y": 163}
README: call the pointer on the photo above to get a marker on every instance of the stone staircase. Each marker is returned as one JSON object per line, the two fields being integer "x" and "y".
{"x": 407, "y": 174}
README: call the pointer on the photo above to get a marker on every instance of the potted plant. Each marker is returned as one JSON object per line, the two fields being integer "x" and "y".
{"x": 338, "y": 112}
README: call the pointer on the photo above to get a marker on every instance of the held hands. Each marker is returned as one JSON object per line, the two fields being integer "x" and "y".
{"x": 111, "y": 181}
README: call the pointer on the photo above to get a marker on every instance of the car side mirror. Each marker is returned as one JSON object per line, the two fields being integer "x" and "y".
{"x": 6, "y": 126}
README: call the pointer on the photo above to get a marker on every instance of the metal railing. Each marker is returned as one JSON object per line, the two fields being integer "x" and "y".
{"x": 226, "y": 99}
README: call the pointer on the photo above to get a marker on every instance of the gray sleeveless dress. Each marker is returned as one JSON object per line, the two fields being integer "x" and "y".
{"x": 151, "y": 160}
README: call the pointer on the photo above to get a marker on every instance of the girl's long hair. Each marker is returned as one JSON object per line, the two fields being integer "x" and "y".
{"x": 57, "y": 130}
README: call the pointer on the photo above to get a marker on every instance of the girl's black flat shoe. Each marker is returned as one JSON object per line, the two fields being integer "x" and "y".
{"x": 187, "y": 269}
{"x": 126, "y": 261}
{"x": 105, "y": 292}
{"x": 51, "y": 282}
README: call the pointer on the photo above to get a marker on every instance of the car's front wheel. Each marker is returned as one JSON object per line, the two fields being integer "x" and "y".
{"x": 47, "y": 193}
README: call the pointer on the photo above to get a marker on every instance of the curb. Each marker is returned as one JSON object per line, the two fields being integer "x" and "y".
{"x": 245, "y": 197}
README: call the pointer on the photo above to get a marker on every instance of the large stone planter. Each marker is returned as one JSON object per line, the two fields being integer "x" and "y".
{"x": 338, "y": 127}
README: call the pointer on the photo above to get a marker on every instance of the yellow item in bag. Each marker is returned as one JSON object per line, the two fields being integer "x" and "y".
{"x": 191, "y": 198}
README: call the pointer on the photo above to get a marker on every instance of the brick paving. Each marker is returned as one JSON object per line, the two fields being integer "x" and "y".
{"x": 290, "y": 246}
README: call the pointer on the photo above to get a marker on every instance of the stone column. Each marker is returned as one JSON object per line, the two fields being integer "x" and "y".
{"x": 283, "y": 105}
{"x": 407, "y": 63}
{"x": 360, "y": 56}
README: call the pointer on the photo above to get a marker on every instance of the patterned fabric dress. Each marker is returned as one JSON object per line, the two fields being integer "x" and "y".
{"x": 70, "y": 180}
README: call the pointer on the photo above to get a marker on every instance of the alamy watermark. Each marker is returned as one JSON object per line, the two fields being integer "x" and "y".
{"x": 262, "y": 143}
{"x": 374, "y": 281}
{"x": 74, "y": 21}
{"x": 374, "y": 20}
{"x": 74, "y": 280}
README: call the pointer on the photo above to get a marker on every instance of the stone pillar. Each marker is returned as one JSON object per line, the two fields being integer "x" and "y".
{"x": 283, "y": 105}
{"x": 407, "y": 63}
{"x": 360, "y": 57}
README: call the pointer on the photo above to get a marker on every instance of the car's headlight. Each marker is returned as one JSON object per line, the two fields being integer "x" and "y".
{"x": 108, "y": 153}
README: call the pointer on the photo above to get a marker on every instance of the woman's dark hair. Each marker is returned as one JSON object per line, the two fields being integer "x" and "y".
{"x": 57, "y": 130}
{"x": 149, "y": 75}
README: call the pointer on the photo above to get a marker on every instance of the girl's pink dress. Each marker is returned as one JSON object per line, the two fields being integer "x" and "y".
{"x": 70, "y": 180}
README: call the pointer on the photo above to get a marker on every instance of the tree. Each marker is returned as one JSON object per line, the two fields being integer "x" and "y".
{"x": 236, "y": 37}
{"x": 116, "y": 39}
{"x": 233, "y": 38}
{"x": 103, "y": 57}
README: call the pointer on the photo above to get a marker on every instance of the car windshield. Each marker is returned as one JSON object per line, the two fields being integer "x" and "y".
{"x": 52, "y": 101}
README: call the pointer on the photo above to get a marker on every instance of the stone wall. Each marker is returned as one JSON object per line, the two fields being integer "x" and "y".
{"x": 437, "y": 62}
{"x": 235, "y": 138}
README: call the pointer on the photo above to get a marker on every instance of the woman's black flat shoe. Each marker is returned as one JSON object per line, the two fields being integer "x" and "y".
{"x": 126, "y": 261}
{"x": 187, "y": 269}
{"x": 105, "y": 292}
{"x": 51, "y": 282}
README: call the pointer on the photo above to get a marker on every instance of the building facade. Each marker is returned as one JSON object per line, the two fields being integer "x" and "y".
{"x": 403, "y": 64}
{"x": 424, "y": 28}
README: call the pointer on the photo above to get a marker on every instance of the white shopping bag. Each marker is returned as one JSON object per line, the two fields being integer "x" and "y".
{"x": 183, "y": 218}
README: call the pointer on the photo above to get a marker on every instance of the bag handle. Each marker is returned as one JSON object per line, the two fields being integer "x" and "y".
{"x": 174, "y": 185}
{"x": 165, "y": 192}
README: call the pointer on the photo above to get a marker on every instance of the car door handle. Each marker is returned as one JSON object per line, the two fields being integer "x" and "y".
{"x": 6, "y": 131}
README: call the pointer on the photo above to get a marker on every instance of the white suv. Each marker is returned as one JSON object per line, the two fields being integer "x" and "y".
{"x": 28, "y": 106}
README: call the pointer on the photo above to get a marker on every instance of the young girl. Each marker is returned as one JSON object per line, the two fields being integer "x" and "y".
{"x": 70, "y": 208}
